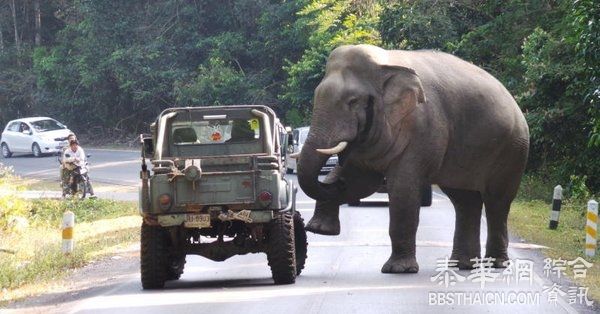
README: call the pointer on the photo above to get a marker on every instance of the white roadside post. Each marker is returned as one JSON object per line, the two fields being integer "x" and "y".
{"x": 68, "y": 223}
{"x": 591, "y": 228}
{"x": 556, "y": 203}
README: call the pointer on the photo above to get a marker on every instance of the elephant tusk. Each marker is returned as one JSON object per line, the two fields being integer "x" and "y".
{"x": 294, "y": 155}
{"x": 334, "y": 150}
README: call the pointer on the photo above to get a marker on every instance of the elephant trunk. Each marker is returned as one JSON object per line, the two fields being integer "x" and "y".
{"x": 309, "y": 168}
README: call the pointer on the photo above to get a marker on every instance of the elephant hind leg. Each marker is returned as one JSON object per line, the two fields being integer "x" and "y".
{"x": 496, "y": 212}
{"x": 467, "y": 205}
{"x": 497, "y": 200}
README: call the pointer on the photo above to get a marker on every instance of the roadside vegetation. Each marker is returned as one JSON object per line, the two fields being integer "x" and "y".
{"x": 530, "y": 216}
{"x": 107, "y": 68}
{"x": 30, "y": 233}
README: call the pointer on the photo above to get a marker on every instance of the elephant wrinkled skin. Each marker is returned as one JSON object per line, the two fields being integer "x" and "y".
{"x": 415, "y": 118}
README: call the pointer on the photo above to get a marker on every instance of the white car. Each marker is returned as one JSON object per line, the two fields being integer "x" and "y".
{"x": 37, "y": 135}
{"x": 299, "y": 137}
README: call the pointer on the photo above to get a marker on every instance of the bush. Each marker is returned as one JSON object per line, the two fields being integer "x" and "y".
{"x": 11, "y": 207}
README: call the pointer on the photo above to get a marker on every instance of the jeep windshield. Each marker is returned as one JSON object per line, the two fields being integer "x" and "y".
{"x": 214, "y": 135}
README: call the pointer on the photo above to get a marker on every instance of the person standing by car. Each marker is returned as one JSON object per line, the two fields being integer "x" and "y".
{"x": 74, "y": 157}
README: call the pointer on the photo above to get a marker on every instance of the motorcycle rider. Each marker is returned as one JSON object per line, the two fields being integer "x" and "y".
{"x": 65, "y": 173}
{"x": 75, "y": 159}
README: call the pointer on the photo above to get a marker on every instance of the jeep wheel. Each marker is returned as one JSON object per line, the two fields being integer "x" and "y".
{"x": 281, "y": 251}
{"x": 153, "y": 257}
{"x": 300, "y": 242}
{"x": 175, "y": 268}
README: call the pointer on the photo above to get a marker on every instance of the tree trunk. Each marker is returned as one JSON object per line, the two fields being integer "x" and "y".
{"x": 14, "y": 15}
{"x": 1, "y": 38}
{"x": 38, "y": 22}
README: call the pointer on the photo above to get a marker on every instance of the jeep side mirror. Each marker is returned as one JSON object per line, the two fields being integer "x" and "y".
{"x": 147, "y": 145}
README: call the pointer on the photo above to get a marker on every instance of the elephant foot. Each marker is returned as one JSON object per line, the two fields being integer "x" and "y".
{"x": 499, "y": 261}
{"x": 464, "y": 262}
{"x": 323, "y": 224}
{"x": 396, "y": 265}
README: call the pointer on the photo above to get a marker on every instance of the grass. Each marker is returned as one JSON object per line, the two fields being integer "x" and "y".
{"x": 31, "y": 238}
{"x": 529, "y": 220}
{"x": 102, "y": 227}
{"x": 42, "y": 185}
{"x": 53, "y": 185}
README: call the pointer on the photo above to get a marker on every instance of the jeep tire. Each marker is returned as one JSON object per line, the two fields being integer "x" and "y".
{"x": 300, "y": 242}
{"x": 175, "y": 267}
{"x": 281, "y": 249}
{"x": 154, "y": 257}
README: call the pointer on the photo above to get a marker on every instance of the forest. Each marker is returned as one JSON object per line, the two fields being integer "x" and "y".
{"x": 109, "y": 67}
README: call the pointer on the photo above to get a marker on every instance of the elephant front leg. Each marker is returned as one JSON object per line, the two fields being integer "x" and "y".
{"x": 326, "y": 219}
{"x": 404, "y": 219}
{"x": 356, "y": 184}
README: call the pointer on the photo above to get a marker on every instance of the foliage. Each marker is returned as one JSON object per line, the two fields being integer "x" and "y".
{"x": 578, "y": 190}
{"x": 584, "y": 19}
{"x": 330, "y": 24}
{"x": 427, "y": 24}
{"x": 555, "y": 94}
{"x": 536, "y": 186}
{"x": 12, "y": 208}
{"x": 112, "y": 66}
{"x": 116, "y": 64}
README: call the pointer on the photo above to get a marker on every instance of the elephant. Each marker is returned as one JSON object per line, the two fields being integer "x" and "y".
{"x": 415, "y": 118}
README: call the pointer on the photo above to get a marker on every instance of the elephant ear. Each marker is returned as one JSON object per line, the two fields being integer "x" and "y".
{"x": 402, "y": 91}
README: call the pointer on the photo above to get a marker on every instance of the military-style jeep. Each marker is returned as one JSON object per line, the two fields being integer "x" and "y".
{"x": 213, "y": 185}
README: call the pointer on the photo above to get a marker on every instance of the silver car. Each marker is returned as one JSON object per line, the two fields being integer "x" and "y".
{"x": 36, "y": 135}
{"x": 299, "y": 137}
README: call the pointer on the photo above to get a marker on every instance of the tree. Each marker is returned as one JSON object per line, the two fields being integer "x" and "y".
{"x": 14, "y": 16}
{"x": 331, "y": 24}
{"x": 38, "y": 22}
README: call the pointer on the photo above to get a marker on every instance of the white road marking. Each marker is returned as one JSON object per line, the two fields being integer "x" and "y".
{"x": 522, "y": 246}
{"x": 115, "y": 163}
{"x": 152, "y": 299}
{"x": 96, "y": 166}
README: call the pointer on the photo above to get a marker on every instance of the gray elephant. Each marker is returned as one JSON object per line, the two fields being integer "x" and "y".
{"x": 415, "y": 118}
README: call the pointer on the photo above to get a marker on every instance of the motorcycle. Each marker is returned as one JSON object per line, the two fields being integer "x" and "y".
{"x": 77, "y": 182}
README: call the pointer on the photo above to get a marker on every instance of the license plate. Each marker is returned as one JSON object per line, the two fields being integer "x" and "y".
{"x": 197, "y": 221}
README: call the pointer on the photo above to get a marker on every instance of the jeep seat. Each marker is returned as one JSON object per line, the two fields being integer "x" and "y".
{"x": 185, "y": 135}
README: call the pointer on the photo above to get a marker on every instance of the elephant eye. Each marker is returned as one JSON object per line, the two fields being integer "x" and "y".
{"x": 352, "y": 102}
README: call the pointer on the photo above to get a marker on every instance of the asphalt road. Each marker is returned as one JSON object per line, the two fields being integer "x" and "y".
{"x": 119, "y": 167}
{"x": 342, "y": 273}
